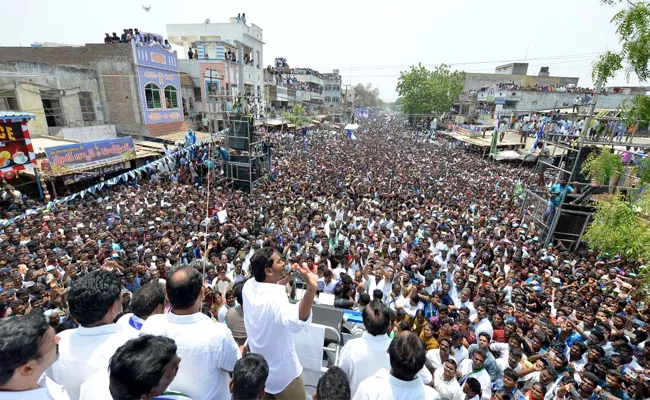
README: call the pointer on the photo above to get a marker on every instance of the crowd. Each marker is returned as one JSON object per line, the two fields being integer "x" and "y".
{"x": 174, "y": 298}
{"x": 141, "y": 38}
{"x": 538, "y": 87}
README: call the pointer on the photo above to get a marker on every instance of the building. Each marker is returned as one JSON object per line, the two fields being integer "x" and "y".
{"x": 135, "y": 87}
{"x": 285, "y": 87}
{"x": 518, "y": 93}
{"x": 332, "y": 89}
{"x": 311, "y": 84}
{"x": 230, "y": 61}
{"x": 64, "y": 100}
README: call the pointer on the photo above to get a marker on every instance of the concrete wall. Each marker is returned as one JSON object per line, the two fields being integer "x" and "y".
{"x": 29, "y": 79}
{"x": 116, "y": 75}
{"x": 87, "y": 133}
{"x": 548, "y": 100}
{"x": 474, "y": 81}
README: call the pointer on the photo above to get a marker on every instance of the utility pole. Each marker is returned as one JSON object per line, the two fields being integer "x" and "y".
{"x": 241, "y": 68}
{"x": 346, "y": 101}
{"x": 585, "y": 128}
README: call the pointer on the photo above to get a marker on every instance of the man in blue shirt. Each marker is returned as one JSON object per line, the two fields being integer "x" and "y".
{"x": 556, "y": 196}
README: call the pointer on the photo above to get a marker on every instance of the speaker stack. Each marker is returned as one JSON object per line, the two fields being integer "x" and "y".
{"x": 241, "y": 132}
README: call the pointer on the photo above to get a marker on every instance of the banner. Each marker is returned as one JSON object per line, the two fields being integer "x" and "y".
{"x": 14, "y": 150}
{"x": 93, "y": 173}
{"x": 467, "y": 130}
{"x": 81, "y": 156}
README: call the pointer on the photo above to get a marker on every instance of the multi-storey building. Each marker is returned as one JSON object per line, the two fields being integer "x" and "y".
{"x": 227, "y": 60}
{"x": 332, "y": 89}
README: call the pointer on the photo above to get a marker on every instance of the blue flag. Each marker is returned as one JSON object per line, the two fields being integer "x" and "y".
{"x": 537, "y": 137}
{"x": 304, "y": 144}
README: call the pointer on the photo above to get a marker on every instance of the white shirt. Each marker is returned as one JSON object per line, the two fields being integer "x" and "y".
{"x": 96, "y": 388}
{"x": 362, "y": 357}
{"x": 433, "y": 356}
{"x": 483, "y": 325}
{"x": 271, "y": 320}
{"x": 481, "y": 376}
{"x": 131, "y": 321}
{"x": 207, "y": 351}
{"x": 384, "y": 386}
{"x": 460, "y": 354}
{"x": 84, "y": 351}
{"x": 221, "y": 314}
{"x": 328, "y": 287}
{"x": 448, "y": 390}
{"x": 48, "y": 390}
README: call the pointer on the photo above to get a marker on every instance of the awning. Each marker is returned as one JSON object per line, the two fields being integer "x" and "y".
{"x": 290, "y": 126}
{"x": 351, "y": 127}
{"x": 16, "y": 116}
{"x": 174, "y": 137}
{"x": 273, "y": 122}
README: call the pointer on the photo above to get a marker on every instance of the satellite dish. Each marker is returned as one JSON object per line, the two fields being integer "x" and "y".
{"x": 207, "y": 21}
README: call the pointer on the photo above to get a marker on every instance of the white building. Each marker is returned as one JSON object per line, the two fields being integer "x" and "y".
{"x": 212, "y": 42}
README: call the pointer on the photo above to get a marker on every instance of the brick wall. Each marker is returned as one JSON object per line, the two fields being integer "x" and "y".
{"x": 81, "y": 56}
{"x": 116, "y": 74}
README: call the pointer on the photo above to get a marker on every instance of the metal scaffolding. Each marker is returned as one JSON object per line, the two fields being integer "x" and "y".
{"x": 571, "y": 218}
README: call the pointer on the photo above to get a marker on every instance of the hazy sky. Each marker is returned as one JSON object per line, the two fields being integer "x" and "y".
{"x": 368, "y": 41}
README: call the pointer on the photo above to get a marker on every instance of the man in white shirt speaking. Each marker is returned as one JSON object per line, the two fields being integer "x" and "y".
{"x": 207, "y": 349}
{"x": 271, "y": 321}
{"x": 407, "y": 358}
{"x": 94, "y": 303}
{"x": 361, "y": 358}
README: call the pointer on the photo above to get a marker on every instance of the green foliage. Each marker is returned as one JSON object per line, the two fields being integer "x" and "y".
{"x": 297, "y": 116}
{"x": 606, "y": 67}
{"x": 429, "y": 92}
{"x": 599, "y": 168}
{"x": 365, "y": 96}
{"x": 644, "y": 170}
{"x": 636, "y": 110}
{"x": 633, "y": 30}
{"x": 621, "y": 227}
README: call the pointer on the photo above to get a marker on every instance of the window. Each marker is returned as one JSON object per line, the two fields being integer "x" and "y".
{"x": 336, "y": 88}
{"x": 152, "y": 96}
{"x": 197, "y": 93}
{"x": 52, "y": 109}
{"x": 328, "y": 87}
{"x": 87, "y": 108}
{"x": 8, "y": 101}
{"x": 171, "y": 96}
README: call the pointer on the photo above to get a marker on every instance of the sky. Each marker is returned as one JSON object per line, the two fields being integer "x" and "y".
{"x": 368, "y": 41}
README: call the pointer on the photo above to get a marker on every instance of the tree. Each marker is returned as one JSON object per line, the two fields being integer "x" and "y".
{"x": 429, "y": 92}
{"x": 365, "y": 96}
{"x": 621, "y": 226}
{"x": 633, "y": 29}
{"x": 297, "y": 116}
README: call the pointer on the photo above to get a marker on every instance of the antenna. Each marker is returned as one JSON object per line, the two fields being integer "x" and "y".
{"x": 207, "y": 20}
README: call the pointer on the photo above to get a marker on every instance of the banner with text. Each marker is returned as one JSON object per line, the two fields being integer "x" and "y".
{"x": 81, "y": 156}
{"x": 13, "y": 147}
